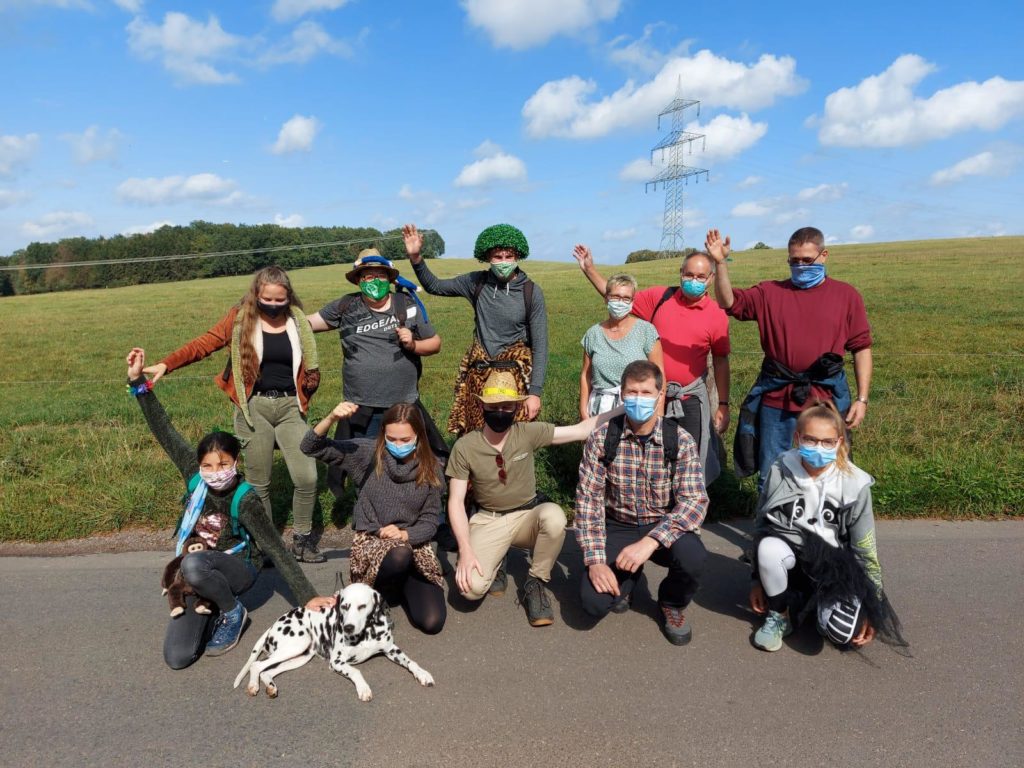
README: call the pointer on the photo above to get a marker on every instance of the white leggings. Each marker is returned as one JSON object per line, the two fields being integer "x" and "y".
{"x": 774, "y": 561}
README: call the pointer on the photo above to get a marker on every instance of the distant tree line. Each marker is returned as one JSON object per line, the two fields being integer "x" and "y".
{"x": 197, "y": 237}
{"x": 648, "y": 255}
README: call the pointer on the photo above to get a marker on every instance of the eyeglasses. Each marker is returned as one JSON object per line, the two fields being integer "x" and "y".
{"x": 827, "y": 443}
{"x": 500, "y": 461}
{"x": 371, "y": 276}
{"x": 803, "y": 261}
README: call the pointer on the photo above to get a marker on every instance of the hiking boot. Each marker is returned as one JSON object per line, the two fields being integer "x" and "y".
{"x": 538, "y": 604}
{"x": 500, "y": 582}
{"x": 776, "y": 626}
{"x": 622, "y": 603}
{"x": 305, "y": 550}
{"x": 227, "y": 630}
{"x": 675, "y": 628}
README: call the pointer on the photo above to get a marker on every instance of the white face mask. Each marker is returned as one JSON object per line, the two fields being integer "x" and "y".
{"x": 618, "y": 308}
{"x": 218, "y": 481}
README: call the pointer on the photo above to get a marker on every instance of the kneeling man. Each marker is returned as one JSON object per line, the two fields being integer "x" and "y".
{"x": 641, "y": 497}
{"x": 498, "y": 461}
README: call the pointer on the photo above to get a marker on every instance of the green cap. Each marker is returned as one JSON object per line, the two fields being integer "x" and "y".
{"x": 501, "y": 236}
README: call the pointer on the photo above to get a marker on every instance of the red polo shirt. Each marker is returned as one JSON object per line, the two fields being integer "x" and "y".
{"x": 797, "y": 326}
{"x": 688, "y": 331}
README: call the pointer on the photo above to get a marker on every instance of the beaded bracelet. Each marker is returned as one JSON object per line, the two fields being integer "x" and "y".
{"x": 140, "y": 389}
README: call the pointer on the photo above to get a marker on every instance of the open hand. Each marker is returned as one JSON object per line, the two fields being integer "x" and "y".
{"x": 532, "y": 407}
{"x": 716, "y": 247}
{"x": 136, "y": 360}
{"x": 603, "y": 579}
{"x": 583, "y": 257}
{"x": 322, "y": 603}
{"x": 464, "y": 570}
{"x": 856, "y": 414}
{"x": 413, "y": 242}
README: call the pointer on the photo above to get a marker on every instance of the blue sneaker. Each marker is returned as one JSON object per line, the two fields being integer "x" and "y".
{"x": 776, "y": 626}
{"x": 227, "y": 631}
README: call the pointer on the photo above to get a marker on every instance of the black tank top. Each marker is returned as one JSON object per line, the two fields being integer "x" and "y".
{"x": 276, "y": 366}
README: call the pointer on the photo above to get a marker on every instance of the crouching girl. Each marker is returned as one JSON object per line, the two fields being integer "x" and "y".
{"x": 814, "y": 540}
{"x": 228, "y": 514}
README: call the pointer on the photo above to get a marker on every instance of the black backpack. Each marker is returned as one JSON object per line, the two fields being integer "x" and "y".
{"x": 668, "y": 294}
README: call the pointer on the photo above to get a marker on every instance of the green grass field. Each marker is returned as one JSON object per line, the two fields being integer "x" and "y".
{"x": 943, "y": 434}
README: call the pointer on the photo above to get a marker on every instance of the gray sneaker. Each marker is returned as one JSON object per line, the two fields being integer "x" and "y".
{"x": 776, "y": 626}
{"x": 500, "y": 583}
{"x": 305, "y": 550}
{"x": 538, "y": 604}
{"x": 675, "y": 628}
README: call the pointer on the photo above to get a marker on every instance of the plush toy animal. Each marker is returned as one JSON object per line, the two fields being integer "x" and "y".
{"x": 176, "y": 588}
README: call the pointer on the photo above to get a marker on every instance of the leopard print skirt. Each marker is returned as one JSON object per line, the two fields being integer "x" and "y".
{"x": 474, "y": 369}
{"x": 369, "y": 551}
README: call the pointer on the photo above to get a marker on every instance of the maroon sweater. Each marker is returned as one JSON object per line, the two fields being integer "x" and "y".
{"x": 797, "y": 326}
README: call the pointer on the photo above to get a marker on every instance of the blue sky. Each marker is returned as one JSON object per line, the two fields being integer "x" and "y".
{"x": 891, "y": 121}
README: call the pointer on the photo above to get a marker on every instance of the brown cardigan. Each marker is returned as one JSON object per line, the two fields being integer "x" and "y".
{"x": 218, "y": 337}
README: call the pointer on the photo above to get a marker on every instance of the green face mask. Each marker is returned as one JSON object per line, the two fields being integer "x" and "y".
{"x": 375, "y": 289}
{"x": 503, "y": 269}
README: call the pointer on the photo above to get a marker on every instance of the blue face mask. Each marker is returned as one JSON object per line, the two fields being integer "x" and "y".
{"x": 400, "y": 451}
{"x": 818, "y": 457}
{"x": 639, "y": 409}
{"x": 806, "y": 275}
{"x": 618, "y": 308}
{"x": 694, "y": 289}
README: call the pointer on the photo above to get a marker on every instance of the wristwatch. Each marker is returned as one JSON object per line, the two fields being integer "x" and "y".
{"x": 862, "y": 400}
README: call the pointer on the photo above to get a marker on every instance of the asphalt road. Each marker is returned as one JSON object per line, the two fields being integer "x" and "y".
{"x": 84, "y": 683}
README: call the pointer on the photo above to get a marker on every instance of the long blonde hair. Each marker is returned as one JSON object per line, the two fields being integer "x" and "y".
{"x": 249, "y": 311}
{"x": 825, "y": 410}
{"x": 429, "y": 471}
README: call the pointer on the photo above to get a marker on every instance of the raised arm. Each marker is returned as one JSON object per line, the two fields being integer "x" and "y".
{"x": 585, "y": 259}
{"x": 453, "y": 286}
{"x": 719, "y": 250}
{"x": 218, "y": 337}
{"x": 175, "y": 446}
{"x": 353, "y": 455}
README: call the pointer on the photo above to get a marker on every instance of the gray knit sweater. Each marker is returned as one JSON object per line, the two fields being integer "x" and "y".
{"x": 500, "y": 314}
{"x": 391, "y": 498}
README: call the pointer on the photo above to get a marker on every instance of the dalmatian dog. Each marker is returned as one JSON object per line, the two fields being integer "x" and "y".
{"x": 356, "y": 628}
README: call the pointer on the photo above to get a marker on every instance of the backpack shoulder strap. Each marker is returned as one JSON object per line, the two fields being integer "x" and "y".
{"x": 670, "y": 291}
{"x": 243, "y": 488}
{"x": 400, "y": 307}
{"x": 612, "y": 438}
{"x": 193, "y": 482}
{"x": 670, "y": 442}
{"x": 479, "y": 278}
{"x": 528, "y": 298}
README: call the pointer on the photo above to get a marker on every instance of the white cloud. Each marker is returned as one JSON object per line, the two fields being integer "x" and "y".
{"x": 750, "y": 181}
{"x": 751, "y": 209}
{"x": 640, "y": 169}
{"x": 132, "y": 6}
{"x": 91, "y": 146}
{"x": 982, "y": 164}
{"x": 469, "y": 203}
{"x": 208, "y": 187}
{"x": 823, "y": 193}
{"x": 16, "y": 151}
{"x": 187, "y": 48}
{"x": 145, "y": 229}
{"x": 427, "y": 207}
{"x": 286, "y": 10}
{"x": 307, "y": 40}
{"x": 862, "y": 232}
{"x": 561, "y": 107}
{"x": 11, "y": 197}
{"x": 882, "y": 110}
{"x": 294, "y": 220}
{"x": 640, "y": 54}
{"x": 494, "y": 165}
{"x": 526, "y": 23}
{"x": 57, "y": 223}
{"x": 614, "y": 235}
{"x": 727, "y": 137}
{"x": 297, "y": 135}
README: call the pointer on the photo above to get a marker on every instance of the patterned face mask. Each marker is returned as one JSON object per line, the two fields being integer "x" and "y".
{"x": 219, "y": 481}
{"x": 503, "y": 269}
{"x": 376, "y": 288}
{"x": 618, "y": 308}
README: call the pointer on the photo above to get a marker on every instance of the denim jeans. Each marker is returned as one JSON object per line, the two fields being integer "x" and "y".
{"x": 775, "y": 431}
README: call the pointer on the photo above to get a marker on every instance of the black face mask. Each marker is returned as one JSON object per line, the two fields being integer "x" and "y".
{"x": 499, "y": 421}
{"x": 272, "y": 310}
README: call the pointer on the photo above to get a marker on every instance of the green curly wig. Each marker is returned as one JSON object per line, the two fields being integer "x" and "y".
{"x": 500, "y": 236}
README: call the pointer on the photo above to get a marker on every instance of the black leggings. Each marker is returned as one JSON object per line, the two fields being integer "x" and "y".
{"x": 423, "y": 601}
{"x": 218, "y": 577}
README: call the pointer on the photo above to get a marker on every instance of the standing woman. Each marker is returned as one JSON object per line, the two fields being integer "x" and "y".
{"x": 510, "y": 321}
{"x": 271, "y": 374}
{"x": 237, "y": 531}
{"x": 814, "y": 539}
{"x": 610, "y": 346}
{"x": 396, "y": 514}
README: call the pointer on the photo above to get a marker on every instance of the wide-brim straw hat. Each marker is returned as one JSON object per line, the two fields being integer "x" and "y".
{"x": 370, "y": 258}
{"x": 501, "y": 387}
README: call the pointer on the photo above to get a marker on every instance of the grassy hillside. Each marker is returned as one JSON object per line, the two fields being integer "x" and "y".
{"x": 943, "y": 434}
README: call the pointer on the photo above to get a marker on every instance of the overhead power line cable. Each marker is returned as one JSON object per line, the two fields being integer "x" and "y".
{"x": 188, "y": 256}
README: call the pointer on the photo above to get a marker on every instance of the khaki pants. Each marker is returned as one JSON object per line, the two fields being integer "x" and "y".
{"x": 541, "y": 529}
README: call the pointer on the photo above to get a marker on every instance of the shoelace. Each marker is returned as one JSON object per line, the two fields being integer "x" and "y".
{"x": 674, "y": 617}
{"x": 777, "y": 622}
